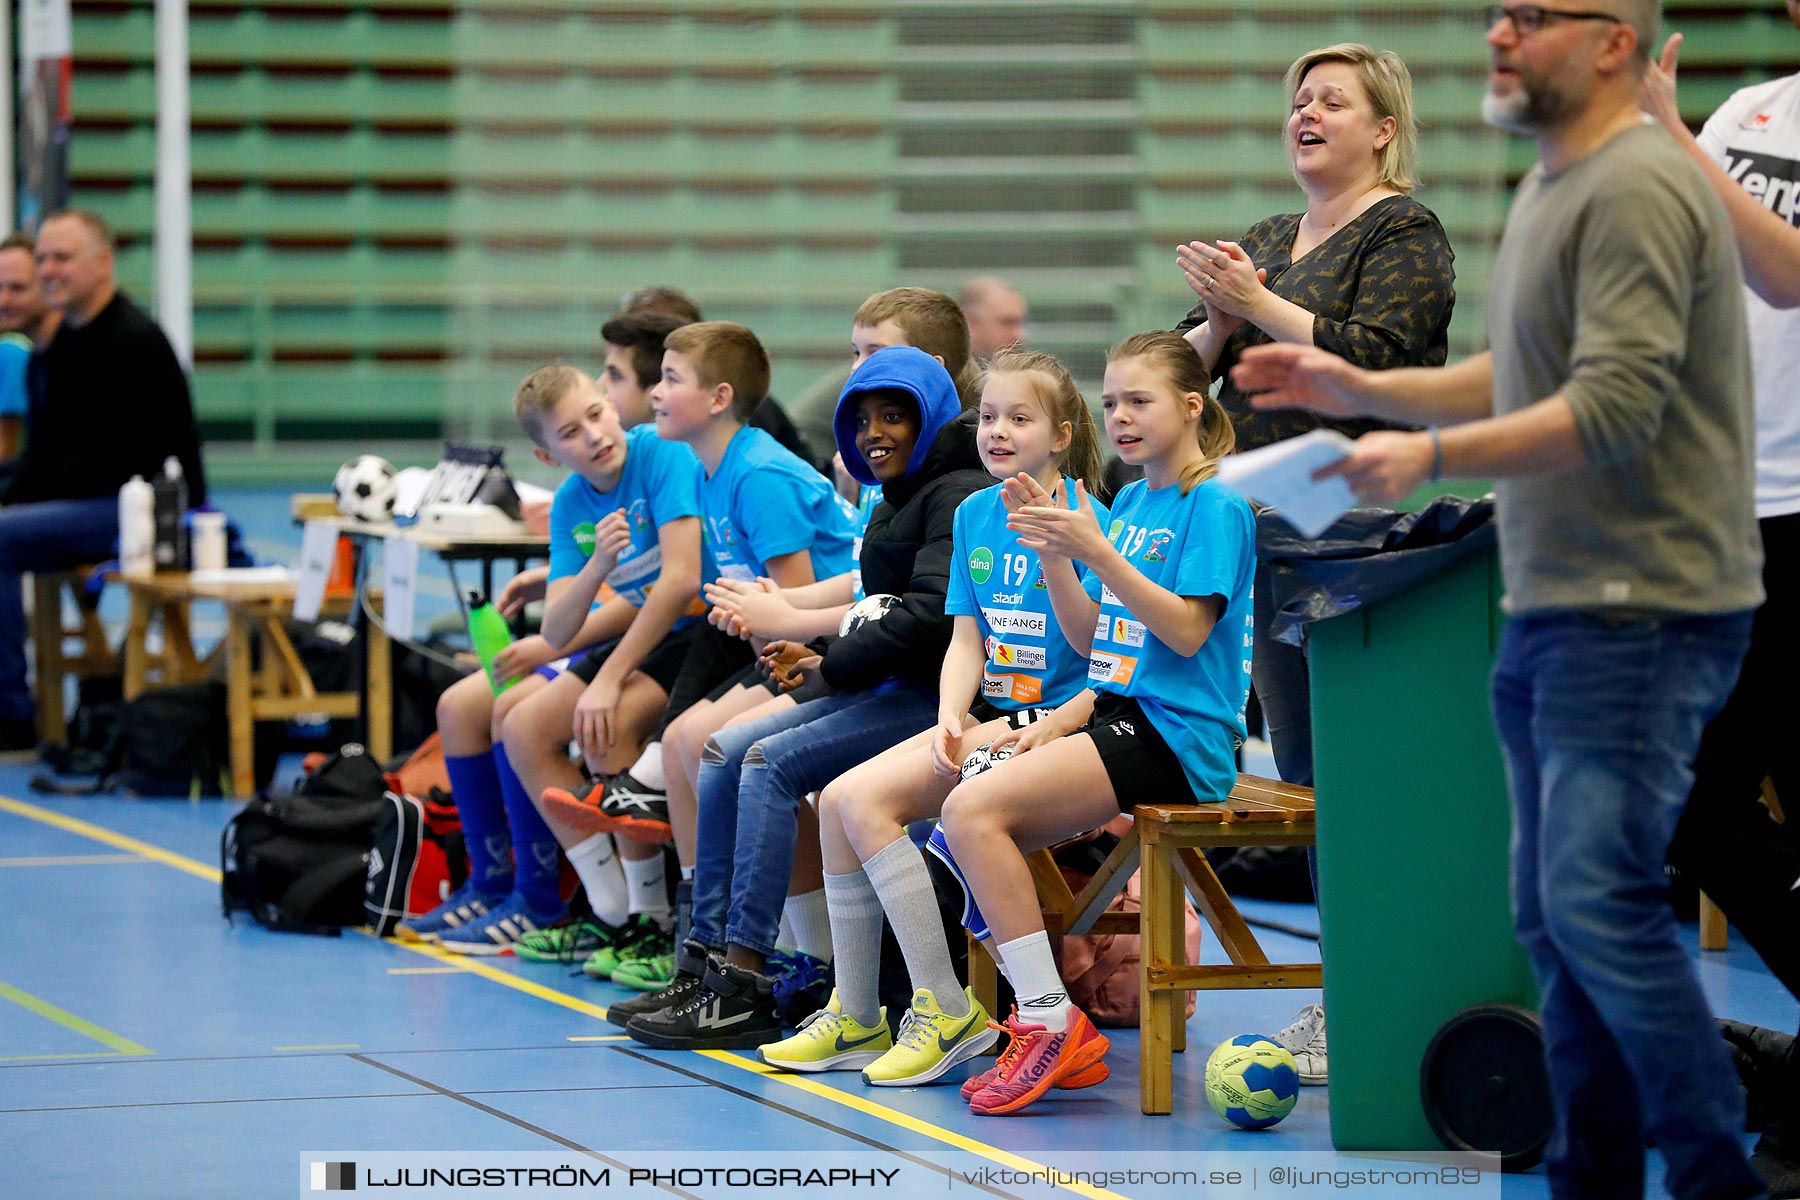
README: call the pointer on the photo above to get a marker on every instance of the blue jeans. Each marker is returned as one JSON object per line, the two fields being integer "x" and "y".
{"x": 753, "y": 779}
{"x": 48, "y": 535}
{"x": 1599, "y": 719}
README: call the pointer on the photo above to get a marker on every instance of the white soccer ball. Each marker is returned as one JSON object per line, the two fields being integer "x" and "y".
{"x": 984, "y": 758}
{"x": 869, "y": 608}
{"x": 365, "y": 488}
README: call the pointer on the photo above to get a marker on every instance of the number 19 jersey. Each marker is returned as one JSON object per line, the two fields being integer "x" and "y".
{"x": 1001, "y": 584}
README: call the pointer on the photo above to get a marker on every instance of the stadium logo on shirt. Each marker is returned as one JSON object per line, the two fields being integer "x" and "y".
{"x": 981, "y": 564}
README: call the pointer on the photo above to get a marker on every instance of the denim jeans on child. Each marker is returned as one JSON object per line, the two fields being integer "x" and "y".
{"x": 1599, "y": 718}
{"x": 46, "y": 535}
{"x": 753, "y": 779}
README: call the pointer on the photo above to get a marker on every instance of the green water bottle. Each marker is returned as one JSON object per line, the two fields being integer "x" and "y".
{"x": 490, "y": 634}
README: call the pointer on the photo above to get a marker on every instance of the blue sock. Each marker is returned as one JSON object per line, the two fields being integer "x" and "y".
{"x": 475, "y": 786}
{"x": 534, "y": 847}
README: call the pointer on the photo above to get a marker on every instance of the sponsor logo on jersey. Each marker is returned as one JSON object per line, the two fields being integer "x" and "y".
{"x": 1157, "y": 549}
{"x": 1028, "y": 658}
{"x": 585, "y": 536}
{"x": 1111, "y": 668}
{"x": 1772, "y": 180}
{"x": 1114, "y": 530}
{"x": 1007, "y": 597}
{"x": 981, "y": 564}
{"x": 1107, "y": 596}
{"x": 1005, "y": 620}
{"x": 1757, "y": 122}
{"x": 1127, "y": 632}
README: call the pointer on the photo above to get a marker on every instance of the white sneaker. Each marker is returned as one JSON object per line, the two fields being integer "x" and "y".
{"x": 1304, "y": 1038}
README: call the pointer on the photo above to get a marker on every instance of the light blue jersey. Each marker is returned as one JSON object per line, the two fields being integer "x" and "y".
{"x": 1000, "y": 584}
{"x": 660, "y": 483}
{"x": 763, "y": 502}
{"x": 1200, "y": 544}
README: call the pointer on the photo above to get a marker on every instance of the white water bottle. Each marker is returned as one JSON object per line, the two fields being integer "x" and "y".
{"x": 137, "y": 528}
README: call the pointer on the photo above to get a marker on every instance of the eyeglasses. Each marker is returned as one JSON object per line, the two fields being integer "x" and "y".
{"x": 1527, "y": 19}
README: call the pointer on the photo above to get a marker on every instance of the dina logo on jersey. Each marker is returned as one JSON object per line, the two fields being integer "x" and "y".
{"x": 584, "y": 535}
{"x": 981, "y": 564}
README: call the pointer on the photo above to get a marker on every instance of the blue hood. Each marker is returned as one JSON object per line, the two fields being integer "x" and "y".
{"x": 913, "y": 372}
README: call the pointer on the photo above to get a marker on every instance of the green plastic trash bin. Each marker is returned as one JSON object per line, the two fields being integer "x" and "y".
{"x": 1413, "y": 828}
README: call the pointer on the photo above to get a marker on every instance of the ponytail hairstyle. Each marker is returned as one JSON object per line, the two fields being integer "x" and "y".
{"x": 1062, "y": 402}
{"x": 1181, "y": 367}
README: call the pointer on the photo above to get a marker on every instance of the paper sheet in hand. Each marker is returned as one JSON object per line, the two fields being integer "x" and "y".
{"x": 1280, "y": 476}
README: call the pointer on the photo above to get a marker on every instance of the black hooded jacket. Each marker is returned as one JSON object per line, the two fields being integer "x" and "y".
{"x": 906, "y": 552}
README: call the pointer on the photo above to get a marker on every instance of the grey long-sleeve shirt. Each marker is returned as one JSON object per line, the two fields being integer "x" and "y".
{"x": 1618, "y": 284}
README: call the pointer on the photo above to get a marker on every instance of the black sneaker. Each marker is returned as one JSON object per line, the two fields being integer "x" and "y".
{"x": 690, "y": 968}
{"x": 635, "y": 810}
{"x": 733, "y": 1010}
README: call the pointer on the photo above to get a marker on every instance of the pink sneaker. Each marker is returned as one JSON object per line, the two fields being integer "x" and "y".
{"x": 1085, "y": 1078}
{"x": 1037, "y": 1060}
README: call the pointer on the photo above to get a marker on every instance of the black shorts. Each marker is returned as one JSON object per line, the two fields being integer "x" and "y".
{"x": 662, "y": 664}
{"x": 1140, "y": 765}
{"x": 712, "y": 658}
{"x": 983, "y": 710}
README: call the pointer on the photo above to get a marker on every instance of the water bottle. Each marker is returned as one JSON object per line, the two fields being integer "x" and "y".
{"x": 490, "y": 635}
{"x": 137, "y": 528}
{"x": 171, "y": 517}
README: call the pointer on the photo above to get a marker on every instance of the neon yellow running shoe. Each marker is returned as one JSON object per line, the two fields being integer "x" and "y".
{"x": 830, "y": 1040}
{"x": 931, "y": 1042}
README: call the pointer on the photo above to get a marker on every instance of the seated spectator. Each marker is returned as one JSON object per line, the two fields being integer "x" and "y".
{"x": 996, "y": 314}
{"x": 108, "y": 399}
{"x": 25, "y": 325}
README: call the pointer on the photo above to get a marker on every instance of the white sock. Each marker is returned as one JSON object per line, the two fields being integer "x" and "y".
{"x": 784, "y": 933}
{"x": 687, "y": 874}
{"x": 1043, "y": 999}
{"x": 647, "y": 888}
{"x": 648, "y": 769}
{"x": 598, "y": 868}
{"x": 809, "y": 917}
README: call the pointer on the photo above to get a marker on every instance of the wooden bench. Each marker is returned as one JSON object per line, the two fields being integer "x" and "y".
{"x": 1713, "y": 925}
{"x": 264, "y": 677}
{"x": 50, "y": 647}
{"x": 1165, "y": 844}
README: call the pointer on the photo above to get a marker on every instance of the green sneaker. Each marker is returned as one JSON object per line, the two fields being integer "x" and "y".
{"x": 931, "y": 1042}
{"x": 564, "y": 943}
{"x": 602, "y": 962}
{"x": 646, "y": 974}
{"x": 830, "y": 1040}
{"x": 646, "y": 955}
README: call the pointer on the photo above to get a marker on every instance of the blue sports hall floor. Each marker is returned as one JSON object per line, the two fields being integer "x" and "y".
{"x": 148, "y": 1048}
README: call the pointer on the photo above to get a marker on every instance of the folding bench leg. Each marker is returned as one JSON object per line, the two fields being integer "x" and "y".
{"x": 1159, "y": 949}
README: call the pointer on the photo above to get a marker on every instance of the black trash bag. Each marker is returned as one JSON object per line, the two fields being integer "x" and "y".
{"x": 1367, "y": 555}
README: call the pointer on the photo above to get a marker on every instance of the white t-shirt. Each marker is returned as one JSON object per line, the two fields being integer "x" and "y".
{"x": 1755, "y": 136}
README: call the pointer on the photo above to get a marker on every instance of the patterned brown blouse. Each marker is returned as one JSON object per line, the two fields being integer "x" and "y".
{"x": 1380, "y": 289}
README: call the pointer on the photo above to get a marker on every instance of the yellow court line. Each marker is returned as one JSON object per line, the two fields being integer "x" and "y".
{"x": 69, "y": 1020}
{"x": 100, "y": 833}
{"x": 48, "y": 1057}
{"x": 475, "y": 967}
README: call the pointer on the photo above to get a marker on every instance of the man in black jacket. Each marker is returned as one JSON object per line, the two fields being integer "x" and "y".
{"x": 108, "y": 400}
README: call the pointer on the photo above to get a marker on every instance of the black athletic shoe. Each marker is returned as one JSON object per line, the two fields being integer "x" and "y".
{"x": 635, "y": 810}
{"x": 690, "y": 968}
{"x": 733, "y": 1010}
